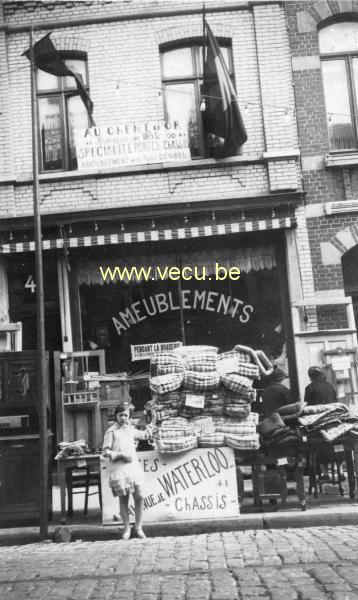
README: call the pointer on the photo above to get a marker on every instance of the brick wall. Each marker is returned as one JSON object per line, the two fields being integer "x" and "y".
{"x": 125, "y": 85}
{"x": 323, "y": 229}
{"x": 321, "y": 184}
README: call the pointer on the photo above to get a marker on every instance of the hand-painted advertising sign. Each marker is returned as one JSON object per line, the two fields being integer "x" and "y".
{"x": 200, "y": 484}
{"x": 137, "y": 143}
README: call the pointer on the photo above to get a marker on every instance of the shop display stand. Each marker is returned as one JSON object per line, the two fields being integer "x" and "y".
{"x": 83, "y": 413}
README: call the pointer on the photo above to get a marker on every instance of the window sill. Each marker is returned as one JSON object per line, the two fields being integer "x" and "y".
{"x": 202, "y": 163}
{"x": 341, "y": 160}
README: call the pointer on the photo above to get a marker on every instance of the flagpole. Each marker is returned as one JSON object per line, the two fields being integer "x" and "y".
{"x": 203, "y": 37}
{"x": 40, "y": 309}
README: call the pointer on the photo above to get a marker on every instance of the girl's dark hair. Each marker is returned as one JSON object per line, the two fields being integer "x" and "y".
{"x": 121, "y": 407}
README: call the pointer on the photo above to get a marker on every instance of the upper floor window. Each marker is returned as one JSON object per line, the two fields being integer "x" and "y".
{"x": 60, "y": 110}
{"x": 182, "y": 79}
{"x": 339, "y": 58}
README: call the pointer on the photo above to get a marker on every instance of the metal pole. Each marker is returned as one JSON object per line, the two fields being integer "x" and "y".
{"x": 40, "y": 310}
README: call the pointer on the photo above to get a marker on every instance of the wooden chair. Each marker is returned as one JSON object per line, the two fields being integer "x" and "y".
{"x": 81, "y": 479}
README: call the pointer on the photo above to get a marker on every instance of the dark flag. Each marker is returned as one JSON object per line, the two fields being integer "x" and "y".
{"x": 224, "y": 129}
{"x": 48, "y": 59}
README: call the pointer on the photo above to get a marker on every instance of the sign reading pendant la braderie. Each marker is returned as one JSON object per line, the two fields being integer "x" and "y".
{"x": 124, "y": 144}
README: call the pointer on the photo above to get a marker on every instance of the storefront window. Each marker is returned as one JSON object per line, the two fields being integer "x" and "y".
{"x": 60, "y": 112}
{"x": 220, "y": 314}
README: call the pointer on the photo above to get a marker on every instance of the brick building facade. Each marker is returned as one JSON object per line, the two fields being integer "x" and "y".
{"x": 247, "y": 209}
{"x": 323, "y": 47}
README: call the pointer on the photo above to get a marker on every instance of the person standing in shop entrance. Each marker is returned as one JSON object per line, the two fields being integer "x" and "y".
{"x": 126, "y": 475}
{"x": 276, "y": 394}
{"x": 320, "y": 391}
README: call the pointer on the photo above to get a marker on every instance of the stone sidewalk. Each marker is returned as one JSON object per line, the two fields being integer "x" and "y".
{"x": 301, "y": 564}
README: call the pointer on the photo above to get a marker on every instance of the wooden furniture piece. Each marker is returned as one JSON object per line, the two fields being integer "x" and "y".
{"x": 81, "y": 480}
{"x": 268, "y": 484}
{"x": 91, "y": 461}
{"x": 19, "y": 439}
{"x": 269, "y": 478}
{"x": 20, "y": 479}
{"x": 85, "y": 413}
{"x": 12, "y": 333}
{"x": 334, "y": 453}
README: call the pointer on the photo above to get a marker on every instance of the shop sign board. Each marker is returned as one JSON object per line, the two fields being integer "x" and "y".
{"x": 195, "y": 401}
{"x": 192, "y": 485}
{"x": 341, "y": 363}
{"x": 145, "y": 351}
{"x": 134, "y": 143}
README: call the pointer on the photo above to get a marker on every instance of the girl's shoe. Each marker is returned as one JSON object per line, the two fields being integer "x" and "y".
{"x": 140, "y": 533}
{"x": 126, "y": 534}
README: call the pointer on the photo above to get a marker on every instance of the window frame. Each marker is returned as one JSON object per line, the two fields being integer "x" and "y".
{"x": 196, "y": 46}
{"x": 352, "y": 96}
{"x": 63, "y": 93}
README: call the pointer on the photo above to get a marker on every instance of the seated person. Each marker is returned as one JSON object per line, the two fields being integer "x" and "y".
{"x": 276, "y": 394}
{"x": 320, "y": 391}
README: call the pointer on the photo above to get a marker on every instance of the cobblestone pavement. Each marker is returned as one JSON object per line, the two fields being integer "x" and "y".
{"x": 287, "y": 564}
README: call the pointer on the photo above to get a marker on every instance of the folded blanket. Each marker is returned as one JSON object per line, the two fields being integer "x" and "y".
{"x": 335, "y": 432}
{"x": 235, "y": 356}
{"x": 162, "y": 384}
{"x": 237, "y": 383}
{"x": 166, "y": 369}
{"x": 162, "y": 415}
{"x": 214, "y": 410}
{"x": 166, "y": 406}
{"x": 202, "y": 425}
{"x": 239, "y": 411}
{"x": 176, "y": 445}
{"x": 168, "y": 397}
{"x": 173, "y": 432}
{"x": 213, "y": 440}
{"x": 247, "y": 443}
{"x": 166, "y": 362}
{"x": 291, "y": 412}
{"x": 202, "y": 363}
{"x": 235, "y": 365}
{"x": 322, "y": 408}
{"x": 318, "y": 419}
{"x": 241, "y": 428}
{"x": 201, "y": 381}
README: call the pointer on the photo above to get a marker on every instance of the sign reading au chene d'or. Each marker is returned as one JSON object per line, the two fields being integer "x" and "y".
{"x": 118, "y": 145}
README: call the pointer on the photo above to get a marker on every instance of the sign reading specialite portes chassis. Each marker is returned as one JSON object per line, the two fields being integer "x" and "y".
{"x": 198, "y": 484}
{"x": 136, "y": 143}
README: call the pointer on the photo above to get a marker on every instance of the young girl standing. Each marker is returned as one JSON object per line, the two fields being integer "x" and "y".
{"x": 127, "y": 476}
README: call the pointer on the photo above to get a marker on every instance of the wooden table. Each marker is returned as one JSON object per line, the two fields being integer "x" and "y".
{"x": 345, "y": 448}
{"x": 73, "y": 462}
{"x": 272, "y": 466}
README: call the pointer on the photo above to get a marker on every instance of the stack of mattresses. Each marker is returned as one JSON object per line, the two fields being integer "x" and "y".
{"x": 174, "y": 435}
{"x": 195, "y": 383}
{"x": 165, "y": 383}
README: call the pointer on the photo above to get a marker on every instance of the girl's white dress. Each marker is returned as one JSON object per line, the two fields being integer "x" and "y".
{"x": 125, "y": 477}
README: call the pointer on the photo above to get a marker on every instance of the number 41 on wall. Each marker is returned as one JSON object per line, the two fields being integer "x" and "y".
{"x": 30, "y": 284}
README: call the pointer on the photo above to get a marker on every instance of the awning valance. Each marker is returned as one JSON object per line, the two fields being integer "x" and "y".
{"x": 149, "y": 268}
{"x": 153, "y": 235}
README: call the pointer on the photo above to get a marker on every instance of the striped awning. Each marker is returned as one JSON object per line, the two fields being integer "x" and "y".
{"x": 153, "y": 235}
